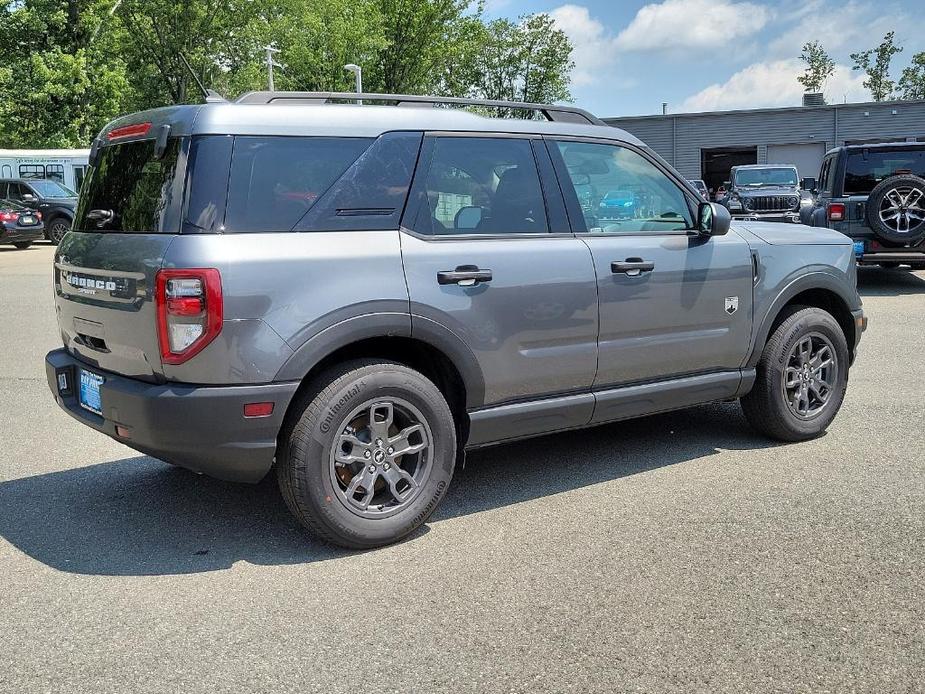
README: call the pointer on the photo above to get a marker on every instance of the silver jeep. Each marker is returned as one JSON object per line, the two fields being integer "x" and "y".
{"x": 356, "y": 294}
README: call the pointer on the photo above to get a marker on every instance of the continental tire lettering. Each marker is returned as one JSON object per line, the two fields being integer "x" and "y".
{"x": 420, "y": 517}
{"x": 355, "y": 390}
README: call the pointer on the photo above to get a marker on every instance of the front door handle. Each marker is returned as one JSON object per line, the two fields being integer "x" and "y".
{"x": 632, "y": 267}
{"x": 464, "y": 276}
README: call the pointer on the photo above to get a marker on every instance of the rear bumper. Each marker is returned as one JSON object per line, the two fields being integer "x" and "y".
{"x": 18, "y": 234}
{"x": 202, "y": 428}
{"x": 909, "y": 255}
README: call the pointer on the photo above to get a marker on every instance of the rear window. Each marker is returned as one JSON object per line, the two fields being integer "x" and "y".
{"x": 275, "y": 181}
{"x": 131, "y": 190}
{"x": 866, "y": 168}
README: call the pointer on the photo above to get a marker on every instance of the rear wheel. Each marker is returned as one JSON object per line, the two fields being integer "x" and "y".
{"x": 24, "y": 245}
{"x": 889, "y": 266}
{"x": 57, "y": 228}
{"x": 368, "y": 454}
{"x": 801, "y": 377}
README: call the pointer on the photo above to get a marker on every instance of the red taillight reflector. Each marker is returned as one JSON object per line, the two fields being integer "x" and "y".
{"x": 136, "y": 130}
{"x": 189, "y": 311}
{"x": 258, "y": 409}
{"x": 8, "y": 216}
{"x": 184, "y": 306}
{"x": 122, "y": 432}
{"x": 836, "y": 212}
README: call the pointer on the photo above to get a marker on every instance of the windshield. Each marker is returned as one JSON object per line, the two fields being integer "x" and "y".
{"x": 867, "y": 168}
{"x": 52, "y": 189}
{"x": 766, "y": 177}
{"x": 129, "y": 189}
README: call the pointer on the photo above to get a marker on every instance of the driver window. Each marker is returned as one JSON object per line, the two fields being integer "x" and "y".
{"x": 621, "y": 192}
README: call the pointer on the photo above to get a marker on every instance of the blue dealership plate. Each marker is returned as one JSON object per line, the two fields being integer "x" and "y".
{"x": 859, "y": 248}
{"x": 89, "y": 396}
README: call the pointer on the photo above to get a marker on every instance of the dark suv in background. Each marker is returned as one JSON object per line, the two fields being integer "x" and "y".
{"x": 764, "y": 192}
{"x": 875, "y": 194}
{"x": 55, "y": 201}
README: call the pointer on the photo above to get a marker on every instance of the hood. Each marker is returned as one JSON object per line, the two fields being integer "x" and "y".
{"x": 767, "y": 190}
{"x": 787, "y": 234}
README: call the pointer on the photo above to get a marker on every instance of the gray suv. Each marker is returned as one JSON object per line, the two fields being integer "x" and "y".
{"x": 764, "y": 192}
{"x": 355, "y": 295}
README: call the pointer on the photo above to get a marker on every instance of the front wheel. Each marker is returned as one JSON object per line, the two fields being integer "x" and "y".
{"x": 57, "y": 228}
{"x": 368, "y": 454}
{"x": 801, "y": 377}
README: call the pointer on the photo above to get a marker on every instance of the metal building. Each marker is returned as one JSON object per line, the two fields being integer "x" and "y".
{"x": 707, "y": 145}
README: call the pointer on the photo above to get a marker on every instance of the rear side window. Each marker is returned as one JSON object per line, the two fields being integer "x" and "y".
{"x": 481, "y": 186}
{"x": 131, "y": 190}
{"x": 275, "y": 181}
{"x": 866, "y": 168}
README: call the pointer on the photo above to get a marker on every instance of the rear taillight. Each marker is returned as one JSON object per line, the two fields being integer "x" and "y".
{"x": 38, "y": 216}
{"x": 189, "y": 311}
{"x": 836, "y": 212}
{"x": 7, "y": 216}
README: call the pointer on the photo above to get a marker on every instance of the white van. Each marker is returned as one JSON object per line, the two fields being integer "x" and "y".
{"x": 66, "y": 166}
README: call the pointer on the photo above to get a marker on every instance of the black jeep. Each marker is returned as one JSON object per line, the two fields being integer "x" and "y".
{"x": 763, "y": 192}
{"x": 874, "y": 194}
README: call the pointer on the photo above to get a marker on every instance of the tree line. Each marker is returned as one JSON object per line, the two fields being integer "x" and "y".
{"x": 875, "y": 63}
{"x": 69, "y": 66}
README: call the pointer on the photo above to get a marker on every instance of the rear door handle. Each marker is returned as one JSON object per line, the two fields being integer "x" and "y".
{"x": 464, "y": 276}
{"x": 632, "y": 267}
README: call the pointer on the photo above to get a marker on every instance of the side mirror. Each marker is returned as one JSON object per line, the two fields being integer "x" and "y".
{"x": 467, "y": 217}
{"x": 808, "y": 184}
{"x": 29, "y": 197}
{"x": 713, "y": 219}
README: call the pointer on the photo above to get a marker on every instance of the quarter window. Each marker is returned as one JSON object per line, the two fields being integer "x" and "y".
{"x": 621, "y": 192}
{"x": 478, "y": 185}
{"x": 276, "y": 180}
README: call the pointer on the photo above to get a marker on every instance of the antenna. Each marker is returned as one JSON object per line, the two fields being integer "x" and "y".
{"x": 205, "y": 92}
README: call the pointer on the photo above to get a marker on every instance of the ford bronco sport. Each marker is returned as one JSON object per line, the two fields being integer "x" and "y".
{"x": 355, "y": 295}
{"x": 874, "y": 194}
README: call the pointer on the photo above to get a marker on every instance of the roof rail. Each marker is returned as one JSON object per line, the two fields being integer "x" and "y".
{"x": 552, "y": 112}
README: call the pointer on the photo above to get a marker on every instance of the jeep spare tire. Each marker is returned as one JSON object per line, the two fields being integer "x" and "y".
{"x": 896, "y": 209}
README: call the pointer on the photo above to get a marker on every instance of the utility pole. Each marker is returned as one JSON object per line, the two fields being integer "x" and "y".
{"x": 270, "y": 65}
{"x": 358, "y": 72}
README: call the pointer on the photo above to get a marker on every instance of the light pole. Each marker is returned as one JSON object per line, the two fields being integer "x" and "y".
{"x": 358, "y": 72}
{"x": 270, "y": 64}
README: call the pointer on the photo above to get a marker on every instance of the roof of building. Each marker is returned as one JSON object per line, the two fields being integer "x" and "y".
{"x": 776, "y": 110}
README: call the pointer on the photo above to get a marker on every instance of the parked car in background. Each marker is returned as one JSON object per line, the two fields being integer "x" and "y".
{"x": 55, "y": 201}
{"x": 720, "y": 192}
{"x": 701, "y": 187}
{"x": 19, "y": 226}
{"x": 875, "y": 195}
{"x": 764, "y": 192}
{"x": 357, "y": 342}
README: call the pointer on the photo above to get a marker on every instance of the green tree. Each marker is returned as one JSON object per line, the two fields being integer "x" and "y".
{"x": 528, "y": 60}
{"x": 61, "y": 78}
{"x": 912, "y": 82}
{"x": 875, "y": 62}
{"x": 819, "y": 66}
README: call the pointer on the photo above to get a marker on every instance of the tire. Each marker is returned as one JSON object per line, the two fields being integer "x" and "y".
{"x": 331, "y": 422}
{"x": 23, "y": 246}
{"x": 889, "y": 266}
{"x": 57, "y": 228}
{"x": 903, "y": 196}
{"x": 767, "y": 408}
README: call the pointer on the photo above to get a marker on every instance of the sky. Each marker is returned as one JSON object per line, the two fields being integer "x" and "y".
{"x": 706, "y": 55}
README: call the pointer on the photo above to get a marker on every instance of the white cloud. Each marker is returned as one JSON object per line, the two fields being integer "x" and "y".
{"x": 771, "y": 84}
{"x": 593, "y": 47}
{"x": 692, "y": 24}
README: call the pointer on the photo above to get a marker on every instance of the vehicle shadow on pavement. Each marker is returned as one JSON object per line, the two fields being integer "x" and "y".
{"x": 874, "y": 281}
{"x": 139, "y": 517}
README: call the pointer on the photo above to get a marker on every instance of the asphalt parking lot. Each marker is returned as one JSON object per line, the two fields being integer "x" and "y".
{"x": 678, "y": 552}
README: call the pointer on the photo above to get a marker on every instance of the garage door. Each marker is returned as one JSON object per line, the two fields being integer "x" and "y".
{"x": 807, "y": 158}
